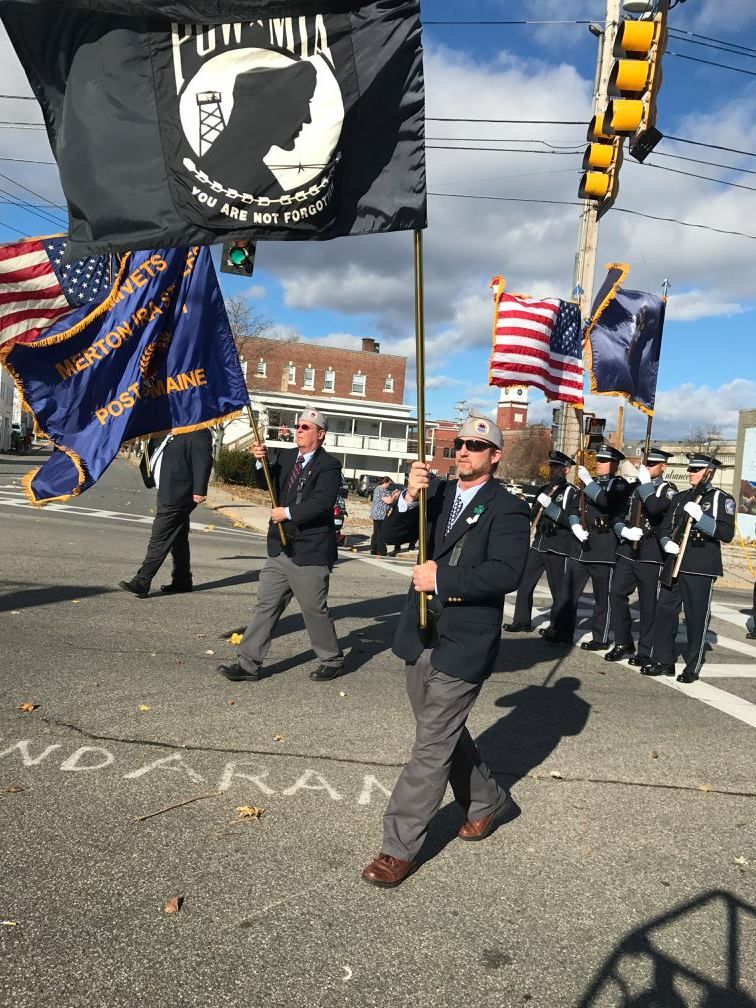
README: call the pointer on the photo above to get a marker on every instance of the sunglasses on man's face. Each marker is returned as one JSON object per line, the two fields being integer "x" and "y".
{"x": 473, "y": 446}
{"x": 303, "y": 426}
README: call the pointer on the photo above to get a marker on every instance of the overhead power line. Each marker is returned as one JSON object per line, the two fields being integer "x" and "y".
{"x": 519, "y": 122}
{"x": 518, "y": 22}
{"x": 634, "y": 213}
{"x": 504, "y": 150}
{"x": 722, "y": 66}
{"x": 699, "y": 143}
{"x": 708, "y": 38}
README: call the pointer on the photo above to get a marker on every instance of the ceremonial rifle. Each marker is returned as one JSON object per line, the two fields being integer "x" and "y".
{"x": 539, "y": 512}
{"x": 680, "y": 535}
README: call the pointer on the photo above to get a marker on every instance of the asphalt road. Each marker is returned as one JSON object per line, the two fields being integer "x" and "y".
{"x": 629, "y": 879}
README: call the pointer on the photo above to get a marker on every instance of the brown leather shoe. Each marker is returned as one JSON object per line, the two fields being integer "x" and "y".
{"x": 387, "y": 872}
{"x": 479, "y": 829}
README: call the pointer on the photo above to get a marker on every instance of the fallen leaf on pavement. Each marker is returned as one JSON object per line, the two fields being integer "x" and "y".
{"x": 742, "y": 861}
{"x": 235, "y": 638}
{"x": 231, "y": 702}
{"x": 705, "y": 787}
{"x": 144, "y": 707}
{"x": 27, "y": 708}
{"x": 9, "y": 923}
{"x": 202, "y": 635}
{"x": 342, "y": 693}
{"x": 13, "y": 789}
{"x": 15, "y": 612}
{"x": 239, "y": 525}
{"x": 174, "y": 904}
{"x": 556, "y": 775}
{"x": 278, "y": 738}
{"x": 209, "y": 651}
{"x": 76, "y": 601}
{"x": 209, "y": 528}
{"x": 250, "y": 811}
{"x": 654, "y": 755}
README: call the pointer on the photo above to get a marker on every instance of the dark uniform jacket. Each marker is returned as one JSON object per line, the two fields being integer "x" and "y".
{"x": 604, "y": 507}
{"x": 311, "y": 533}
{"x": 185, "y": 467}
{"x": 703, "y": 554}
{"x": 646, "y": 509}
{"x": 553, "y": 534}
{"x": 493, "y": 536}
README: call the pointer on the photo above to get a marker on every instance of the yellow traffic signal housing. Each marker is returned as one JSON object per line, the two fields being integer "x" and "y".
{"x": 601, "y": 165}
{"x": 635, "y": 81}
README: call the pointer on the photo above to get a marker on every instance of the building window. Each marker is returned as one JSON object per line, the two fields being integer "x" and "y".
{"x": 261, "y": 369}
{"x": 309, "y": 377}
{"x": 518, "y": 418}
{"x": 388, "y": 385}
{"x": 358, "y": 383}
{"x": 329, "y": 380}
{"x": 449, "y": 453}
{"x": 292, "y": 374}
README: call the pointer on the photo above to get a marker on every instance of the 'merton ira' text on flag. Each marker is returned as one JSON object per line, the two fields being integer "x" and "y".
{"x": 155, "y": 355}
{"x": 537, "y": 342}
{"x": 219, "y": 119}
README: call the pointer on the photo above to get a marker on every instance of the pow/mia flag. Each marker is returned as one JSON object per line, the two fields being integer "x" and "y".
{"x": 186, "y": 123}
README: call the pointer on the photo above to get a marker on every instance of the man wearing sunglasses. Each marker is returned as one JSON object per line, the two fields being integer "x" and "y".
{"x": 307, "y": 481}
{"x": 478, "y": 538}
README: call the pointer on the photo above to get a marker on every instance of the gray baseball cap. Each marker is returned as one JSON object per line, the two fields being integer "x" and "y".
{"x": 318, "y": 418}
{"x": 481, "y": 428}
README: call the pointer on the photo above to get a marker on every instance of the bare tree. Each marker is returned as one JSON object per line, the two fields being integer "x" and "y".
{"x": 527, "y": 451}
{"x": 708, "y": 438}
{"x": 246, "y": 324}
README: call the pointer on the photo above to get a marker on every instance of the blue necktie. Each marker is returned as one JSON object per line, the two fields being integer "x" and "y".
{"x": 455, "y": 512}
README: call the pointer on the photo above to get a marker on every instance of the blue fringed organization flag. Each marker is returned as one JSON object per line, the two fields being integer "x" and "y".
{"x": 155, "y": 355}
{"x": 623, "y": 341}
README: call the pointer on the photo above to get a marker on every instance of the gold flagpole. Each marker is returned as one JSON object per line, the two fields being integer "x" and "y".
{"x": 422, "y": 538}
{"x": 266, "y": 473}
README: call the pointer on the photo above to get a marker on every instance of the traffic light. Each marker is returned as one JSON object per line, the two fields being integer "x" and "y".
{"x": 238, "y": 257}
{"x": 594, "y": 432}
{"x": 601, "y": 165}
{"x": 635, "y": 81}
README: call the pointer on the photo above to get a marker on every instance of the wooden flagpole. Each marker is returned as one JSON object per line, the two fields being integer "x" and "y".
{"x": 266, "y": 473}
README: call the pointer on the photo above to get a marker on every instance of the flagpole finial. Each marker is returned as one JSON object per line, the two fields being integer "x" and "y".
{"x": 665, "y": 287}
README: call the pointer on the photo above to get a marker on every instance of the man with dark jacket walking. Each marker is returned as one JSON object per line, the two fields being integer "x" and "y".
{"x": 306, "y": 481}
{"x": 478, "y": 536}
{"x": 179, "y": 466}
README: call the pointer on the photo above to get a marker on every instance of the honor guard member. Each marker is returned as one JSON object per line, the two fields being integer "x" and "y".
{"x": 639, "y": 559}
{"x": 606, "y": 499}
{"x": 478, "y": 538}
{"x": 306, "y": 480}
{"x": 549, "y": 519}
{"x": 710, "y": 513}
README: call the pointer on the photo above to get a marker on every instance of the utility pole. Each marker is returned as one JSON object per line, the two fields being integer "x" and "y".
{"x": 568, "y": 430}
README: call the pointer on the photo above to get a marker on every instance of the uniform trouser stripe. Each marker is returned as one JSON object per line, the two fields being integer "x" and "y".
{"x": 700, "y": 657}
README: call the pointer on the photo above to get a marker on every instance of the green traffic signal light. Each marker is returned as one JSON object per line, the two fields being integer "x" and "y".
{"x": 238, "y": 255}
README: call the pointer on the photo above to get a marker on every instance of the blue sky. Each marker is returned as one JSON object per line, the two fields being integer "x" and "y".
{"x": 339, "y": 292}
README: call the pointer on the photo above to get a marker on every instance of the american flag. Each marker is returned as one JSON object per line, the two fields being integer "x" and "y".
{"x": 538, "y": 342}
{"x": 36, "y": 290}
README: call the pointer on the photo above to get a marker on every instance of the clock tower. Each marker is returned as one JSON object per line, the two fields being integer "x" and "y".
{"x": 512, "y": 411}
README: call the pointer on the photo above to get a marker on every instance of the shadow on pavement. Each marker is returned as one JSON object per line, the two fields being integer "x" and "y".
{"x": 250, "y": 577}
{"x": 26, "y": 598}
{"x": 642, "y": 972}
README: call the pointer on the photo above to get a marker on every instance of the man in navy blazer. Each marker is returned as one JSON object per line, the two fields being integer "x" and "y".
{"x": 307, "y": 481}
{"x": 478, "y": 538}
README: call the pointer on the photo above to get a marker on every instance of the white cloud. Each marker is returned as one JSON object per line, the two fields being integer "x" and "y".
{"x": 256, "y": 293}
{"x": 697, "y": 304}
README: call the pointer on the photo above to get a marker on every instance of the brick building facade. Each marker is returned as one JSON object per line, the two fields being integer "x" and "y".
{"x": 324, "y": 372}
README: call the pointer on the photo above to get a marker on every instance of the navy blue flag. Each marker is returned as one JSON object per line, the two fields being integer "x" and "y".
{"x": 623, "y": 341}
{"x": 156, "y": 355}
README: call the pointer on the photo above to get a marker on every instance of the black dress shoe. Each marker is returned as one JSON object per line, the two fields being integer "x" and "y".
{"x": 594, "y": 645}
{"x": 176, "y": 589}
{"x": 236, "y": 673}
{"x": 325, "y": 672}
{"x": 619, "y": 651}
{"x": 558, "y": 641}
{"x": 517, "y": 627}
{"x": 687, "y": 677}
{"x": 138, "y": 588}
{"x": 658, "y": 669}
{"x": 639, "y": 660}
{"x": 547, "y": 632}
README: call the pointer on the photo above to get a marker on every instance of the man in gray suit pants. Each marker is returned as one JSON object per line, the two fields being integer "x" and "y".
{"x": 307, "y": 480}
{"x": 478, "y": 536}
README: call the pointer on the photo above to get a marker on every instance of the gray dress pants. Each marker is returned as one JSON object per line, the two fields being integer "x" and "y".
{"x": 280, "y": 581}
{"x": 443, "y": 753}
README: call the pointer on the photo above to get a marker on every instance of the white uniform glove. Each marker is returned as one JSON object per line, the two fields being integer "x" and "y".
{"x": 694, "y": 510}
{"x": 671, "y": 547}
{"x": 543, "y": 499}
{"x": 579, "y": 532}
{"x": 644, "y": 475}
{"x": 583, "y": 475}
{"x": 634, "y": 534}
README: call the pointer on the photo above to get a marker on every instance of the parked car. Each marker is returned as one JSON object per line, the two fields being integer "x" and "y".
{"x": 367, "y": 484}
{"x": 340, "y": 513}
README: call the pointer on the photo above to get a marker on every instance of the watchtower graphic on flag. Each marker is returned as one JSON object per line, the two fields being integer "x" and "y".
{"x": 211, "y": 121}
